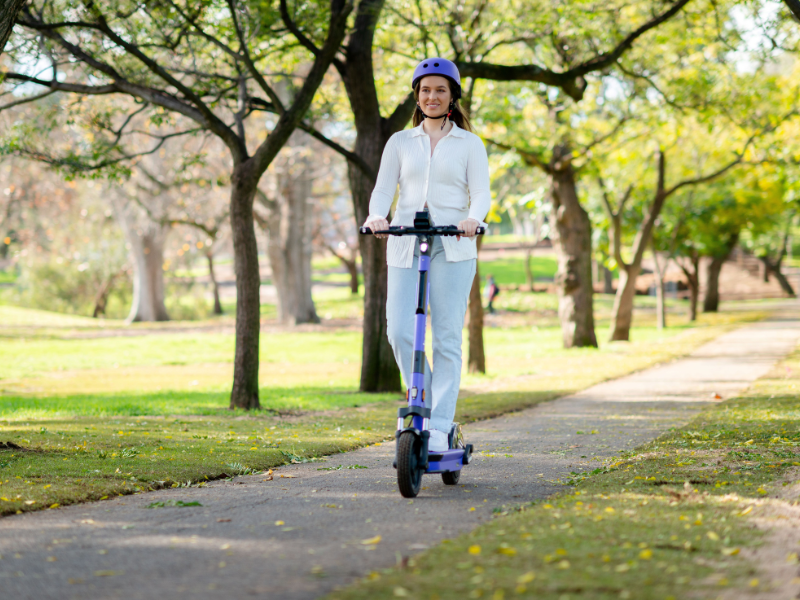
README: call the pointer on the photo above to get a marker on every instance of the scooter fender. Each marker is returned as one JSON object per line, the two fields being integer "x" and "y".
{"x": 423, "y": 435}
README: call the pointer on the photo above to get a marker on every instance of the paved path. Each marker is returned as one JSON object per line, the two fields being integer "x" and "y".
{"x": 298, "y": 537}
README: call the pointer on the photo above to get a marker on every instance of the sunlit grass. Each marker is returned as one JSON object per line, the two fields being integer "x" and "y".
{"x": 56, "y": 374}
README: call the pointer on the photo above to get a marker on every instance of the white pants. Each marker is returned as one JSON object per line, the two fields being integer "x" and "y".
{"x": 450, "y": 283}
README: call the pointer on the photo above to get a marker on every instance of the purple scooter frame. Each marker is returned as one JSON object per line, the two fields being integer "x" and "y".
{"x": 412, "y": 456}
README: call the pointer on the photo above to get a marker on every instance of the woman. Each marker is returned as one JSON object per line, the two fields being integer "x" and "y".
{"x": 441, "y": 167}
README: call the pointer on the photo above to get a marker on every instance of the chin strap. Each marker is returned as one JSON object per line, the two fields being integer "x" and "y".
{"x": 445, "y": 117}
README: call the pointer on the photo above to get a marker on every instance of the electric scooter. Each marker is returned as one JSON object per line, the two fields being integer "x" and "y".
{"x": 412, "y": 458}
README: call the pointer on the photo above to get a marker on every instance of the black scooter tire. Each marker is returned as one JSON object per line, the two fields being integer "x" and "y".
{"x": 409, "y": 471}
{"x": 451, "y": 477}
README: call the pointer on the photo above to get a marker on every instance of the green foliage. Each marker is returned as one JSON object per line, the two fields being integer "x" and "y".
{"x": 67, "y": 288}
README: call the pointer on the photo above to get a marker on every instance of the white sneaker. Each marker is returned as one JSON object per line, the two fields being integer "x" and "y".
{"x": 438, "y": 441}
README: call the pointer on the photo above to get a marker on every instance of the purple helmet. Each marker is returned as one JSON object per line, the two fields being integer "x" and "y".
{"x": 438, "y": 66}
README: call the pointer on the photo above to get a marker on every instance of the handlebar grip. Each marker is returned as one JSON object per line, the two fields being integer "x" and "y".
{"x": 365, "y": 231}
{"x": 480, "y": 230}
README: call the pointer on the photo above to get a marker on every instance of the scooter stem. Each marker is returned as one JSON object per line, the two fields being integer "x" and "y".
{"x": 417, "y": 395}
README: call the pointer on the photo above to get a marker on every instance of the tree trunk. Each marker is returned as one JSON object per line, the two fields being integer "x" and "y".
{"x": 786, "y": 286}
{"x": 8, "y": 14}
{"x": 476, "y": 361}
{"x": 214, "y": 282}
{"x": 661, "y": 308}
{"x": 771, "y": 268}
{"x": 573, "y": 243}
{"x": 101, "y": 297}
{"x": 351, "y": 264}
{"x": 528, "y": 270}
{"x": 290, "y": 231}
{"x": 352, "y": 268}
{"x": 693, "y": 281}
{"x": 379, "y": 370}
{"x": 622, "y": 312}
{"x": 711, "y": 299}
{"x": 694, "y": 292}
{"x": 147, "y": 251}
{"x": 608, "y": 281}
{"x": 244, "y": 393}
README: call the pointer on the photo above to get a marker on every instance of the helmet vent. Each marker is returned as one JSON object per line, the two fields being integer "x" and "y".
{"x": 425, "y": 66}
{"x": 435, "y": 64}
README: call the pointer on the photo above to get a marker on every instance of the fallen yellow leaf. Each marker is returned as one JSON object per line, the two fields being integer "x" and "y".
{"x": 730, "y": 551}
{"x": 526, "y": 578}
{"x": 712, "y": 536}
{"x": 371, "y": 541}
{"x": 278, "y": 522}
{"x": 56, "y": 505}
{"x": 474, "y": 549}
{"x": 746, "y": 511}
{"x": 646, "y": 554}
{"x": 506, "y": 550}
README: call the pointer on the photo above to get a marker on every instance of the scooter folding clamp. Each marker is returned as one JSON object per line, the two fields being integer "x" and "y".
{"x": 418, "y": 411}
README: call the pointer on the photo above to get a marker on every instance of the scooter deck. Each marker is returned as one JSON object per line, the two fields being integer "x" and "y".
{"x": 449, "y": 460}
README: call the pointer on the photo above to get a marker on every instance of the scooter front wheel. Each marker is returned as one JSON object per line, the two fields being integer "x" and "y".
{"x": 409, "y": 471}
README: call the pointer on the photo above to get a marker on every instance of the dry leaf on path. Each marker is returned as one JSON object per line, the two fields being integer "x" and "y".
{"x": 371, "y": 541}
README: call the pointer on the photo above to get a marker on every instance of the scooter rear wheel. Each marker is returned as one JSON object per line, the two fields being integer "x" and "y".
{"x": 409, "y": 471}
{"x": 451, "y": 477}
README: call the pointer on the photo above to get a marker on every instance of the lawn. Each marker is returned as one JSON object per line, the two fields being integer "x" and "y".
{"x": 511, "y": 270}
{"x": 95, "y": 408}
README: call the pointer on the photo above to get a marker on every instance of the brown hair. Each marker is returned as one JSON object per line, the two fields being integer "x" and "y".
{"x": 459, "y": 117}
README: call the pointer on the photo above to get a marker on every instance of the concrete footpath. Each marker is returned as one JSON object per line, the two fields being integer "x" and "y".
{"x": 310, "y": 530}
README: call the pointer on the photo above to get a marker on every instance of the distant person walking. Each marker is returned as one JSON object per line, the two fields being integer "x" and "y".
{"x": 491, "y": 290}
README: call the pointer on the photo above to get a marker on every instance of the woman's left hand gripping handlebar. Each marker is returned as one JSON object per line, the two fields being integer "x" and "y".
{"x": 469, "y": 227}
{"x": 377, "y": 224}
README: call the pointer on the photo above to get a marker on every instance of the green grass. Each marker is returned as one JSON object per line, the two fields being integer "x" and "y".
{"x": 667, "y": 520}
{"x": 511, "y": 271}
{"x": 8, "y": 276}
{"x": 113, "y": 415}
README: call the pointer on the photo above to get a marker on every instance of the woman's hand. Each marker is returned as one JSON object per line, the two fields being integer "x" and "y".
{"x": 469, "y": 227}
{"x": 377, "y": 224}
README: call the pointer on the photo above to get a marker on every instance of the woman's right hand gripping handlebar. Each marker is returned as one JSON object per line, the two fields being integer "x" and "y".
{"x": 377, "y": 224}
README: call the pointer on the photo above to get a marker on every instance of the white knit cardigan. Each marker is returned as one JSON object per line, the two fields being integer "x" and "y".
{"x": 454, "y": 182}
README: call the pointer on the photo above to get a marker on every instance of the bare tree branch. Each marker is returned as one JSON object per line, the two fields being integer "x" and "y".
{"x": 347, "y": 154}
{"x": 571, "y": 80}
{"x": 529, "y": 156}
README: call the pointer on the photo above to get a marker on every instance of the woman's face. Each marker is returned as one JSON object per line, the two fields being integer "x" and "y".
{"x": 434, "y": 95}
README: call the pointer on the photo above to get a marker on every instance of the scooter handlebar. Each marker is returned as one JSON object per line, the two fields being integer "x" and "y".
{"x": 400, "y": 230}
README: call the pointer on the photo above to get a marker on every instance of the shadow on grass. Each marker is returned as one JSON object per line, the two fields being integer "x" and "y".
{"x": 292, "y": 400}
